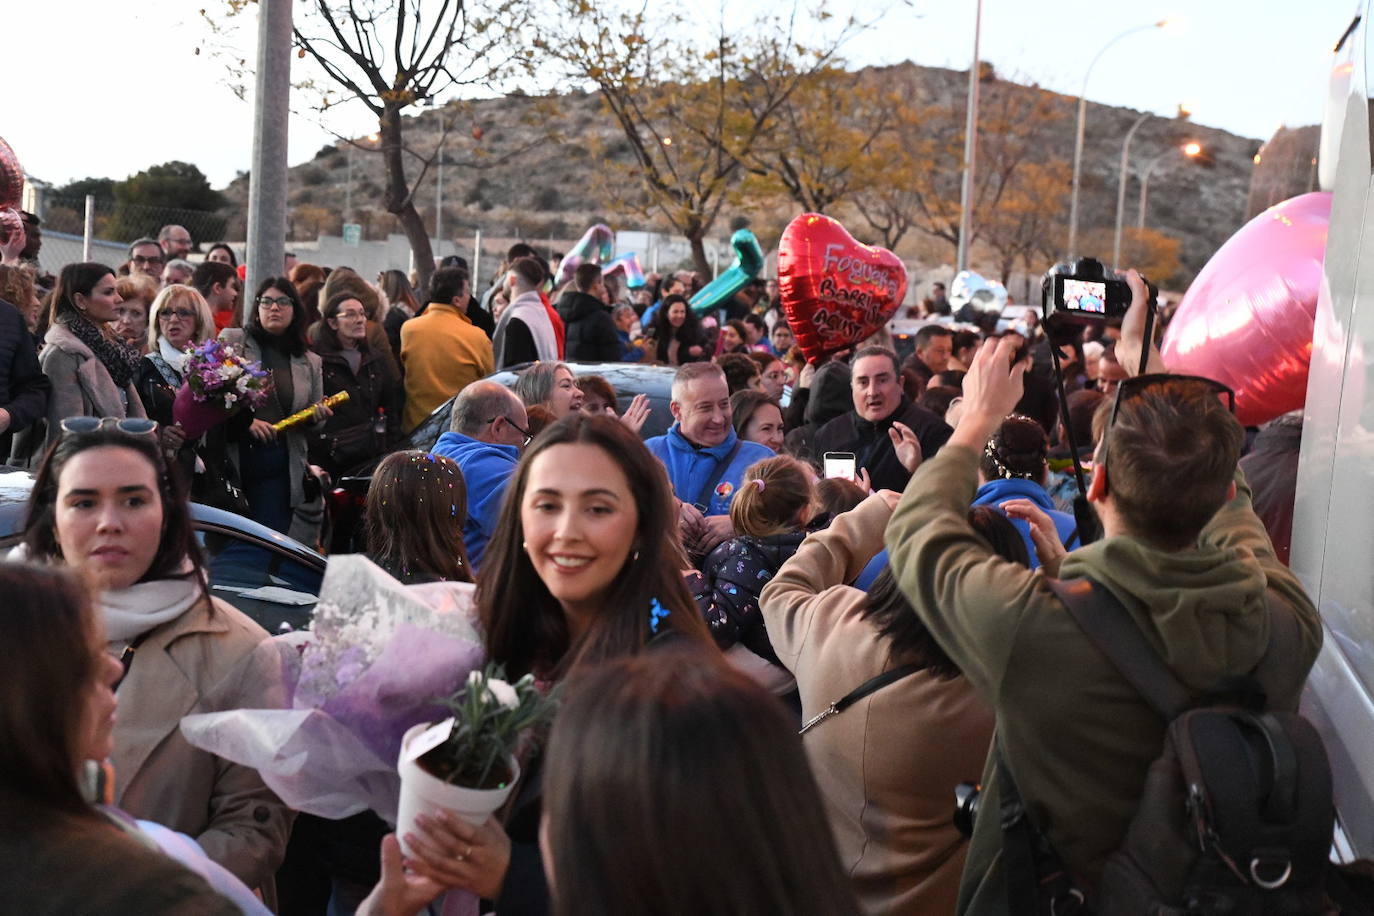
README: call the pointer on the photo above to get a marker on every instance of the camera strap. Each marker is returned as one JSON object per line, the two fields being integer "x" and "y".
{"x": 1087, "y": 527}
{"x": 871, "y": 685}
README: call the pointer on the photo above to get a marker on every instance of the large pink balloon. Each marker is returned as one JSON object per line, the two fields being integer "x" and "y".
{"x": 1247, "y": 319}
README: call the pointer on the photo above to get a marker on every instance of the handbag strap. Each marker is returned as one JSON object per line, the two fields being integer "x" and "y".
{"x": 1112, "y": 630}
{"x": 703, "y": 500}
{"x": 858, "y": 693}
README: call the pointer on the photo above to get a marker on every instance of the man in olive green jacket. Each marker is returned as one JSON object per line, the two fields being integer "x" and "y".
{"x": 1184, "y": 552}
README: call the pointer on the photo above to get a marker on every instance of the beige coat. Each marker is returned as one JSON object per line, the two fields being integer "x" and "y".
{"x": 81, "y": 387}
{"x": 201, "y": 662}
{"x": 887, "y": 766}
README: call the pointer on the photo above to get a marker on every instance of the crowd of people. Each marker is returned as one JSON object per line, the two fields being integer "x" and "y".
{"x": 786, "y": 628}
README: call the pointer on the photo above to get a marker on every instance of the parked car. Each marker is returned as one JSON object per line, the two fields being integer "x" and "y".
{"x": 267, "y": 575}
{"x": 628, "y": 379}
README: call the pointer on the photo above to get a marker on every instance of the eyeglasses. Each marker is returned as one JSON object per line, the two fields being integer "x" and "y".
{"x": 1133, "y": 386}
{"x": 140, "y": 259}
{"x": 176, "y": 313}
{"x": 281, "y": 302}
{"x": 131, "y": 426}
{"x": 518, "y": 428}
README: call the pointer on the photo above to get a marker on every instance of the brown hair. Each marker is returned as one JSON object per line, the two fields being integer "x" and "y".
{"x": 416, "y": 508}
{"x": 586, "y": 276}
{"x": 1019, "y": 449}
{"x": 836, "y": 496}
{"x": 530, "y": 271}
{"x": 1171, "y": 458}
{"x": 525, "y": 626}
{"x": 743, "y": 404}
{"x": 771, "y": 495}
{"x": 537, "y": 419}
{"x": 51, "y": 662}
{"x": 625, "y": 760}
{"x": 740, "y": 371}
{"x": 347, "y": 280}
{"x": 137, "y": 286}
{"x": 597, "y": 385}
{"x": 177, "y": 548}
{"x": 16, "y": 286}
{"x": 739, "y": 329}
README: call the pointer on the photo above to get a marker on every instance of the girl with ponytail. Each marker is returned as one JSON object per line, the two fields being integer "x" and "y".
{"x": 771, "y": 510}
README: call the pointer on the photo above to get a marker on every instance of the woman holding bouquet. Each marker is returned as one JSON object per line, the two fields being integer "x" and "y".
{"x": 91, "y": 370}
{"x": 369, "y": 422}
{"x": 179, "y": 320}
{"x": 104, "y": 504}
{"x": 282, "y": 493}
{"x": 583, "y": 567}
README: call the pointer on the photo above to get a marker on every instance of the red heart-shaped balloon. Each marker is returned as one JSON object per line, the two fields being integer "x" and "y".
{"x": 835, "y": 291}
{"x": 1247, "y": 319}
{"x": 11, "y": 177}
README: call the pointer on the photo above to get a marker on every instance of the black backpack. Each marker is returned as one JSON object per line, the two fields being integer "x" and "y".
{"x": 1236, "y": 816}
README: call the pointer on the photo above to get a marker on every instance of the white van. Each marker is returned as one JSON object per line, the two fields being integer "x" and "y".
{"x": 1333, "y": 524}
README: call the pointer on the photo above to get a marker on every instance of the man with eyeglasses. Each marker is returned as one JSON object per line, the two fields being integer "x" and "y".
{"x": 175, "y": 242}
{"x": 487, "y": 431}
{"x": 1184, "y": 559}
{"x": 146, "y": 257}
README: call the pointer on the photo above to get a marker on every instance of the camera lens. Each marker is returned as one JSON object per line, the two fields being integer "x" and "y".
{"x": 966, "y": 798}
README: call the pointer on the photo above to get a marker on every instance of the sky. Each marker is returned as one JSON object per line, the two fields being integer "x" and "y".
{"x": 107, "y": 89}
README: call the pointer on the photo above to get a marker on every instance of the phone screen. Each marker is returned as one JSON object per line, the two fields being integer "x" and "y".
{"x": 1089, "y": 296}
{"x": 839, "y": 464}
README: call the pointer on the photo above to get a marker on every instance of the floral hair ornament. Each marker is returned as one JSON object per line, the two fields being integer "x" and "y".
{"x": 657, "y": 612}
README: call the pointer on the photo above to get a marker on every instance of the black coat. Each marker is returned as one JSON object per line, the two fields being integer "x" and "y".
{"x": 348, "y": 439}
{"x": 24, "y": 389}
{"x": 591, "y": 336}
{"x": 873, "y": 449}
{"x": 736, "y": 572}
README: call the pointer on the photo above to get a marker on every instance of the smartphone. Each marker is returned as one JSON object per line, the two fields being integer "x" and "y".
{"x": 839, "y": 464}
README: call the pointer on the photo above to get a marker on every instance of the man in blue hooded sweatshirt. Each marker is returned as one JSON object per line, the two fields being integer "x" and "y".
{"x": 486, "y": 433}
{"x": 704, "y": 457}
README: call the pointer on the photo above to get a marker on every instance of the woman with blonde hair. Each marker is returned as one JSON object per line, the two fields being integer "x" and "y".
{"x": 180, "y": 319}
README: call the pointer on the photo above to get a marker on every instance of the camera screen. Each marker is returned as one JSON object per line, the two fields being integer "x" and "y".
{"x": 1085, "y": 296}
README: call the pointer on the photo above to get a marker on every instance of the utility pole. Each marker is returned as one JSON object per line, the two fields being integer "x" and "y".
{"x": 970, "y": 148}
{"x": 267, "y": 184}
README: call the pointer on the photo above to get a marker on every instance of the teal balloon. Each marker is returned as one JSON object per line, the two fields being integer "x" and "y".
{"x": 748, "y": 263}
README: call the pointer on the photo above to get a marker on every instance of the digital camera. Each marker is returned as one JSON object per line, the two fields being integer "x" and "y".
{"x": 1085, "y": 292}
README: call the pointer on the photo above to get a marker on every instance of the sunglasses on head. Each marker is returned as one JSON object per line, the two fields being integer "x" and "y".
{"x": 130, "y": 426}
{"x": 1128, "y": 388}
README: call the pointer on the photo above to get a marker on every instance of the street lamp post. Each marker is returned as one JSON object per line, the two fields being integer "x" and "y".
{"x": 1121, "y": 181}
{"x": 1078, "y": 135}
{"x": 1191, "y": 150}
{"x": 970, "y": 149}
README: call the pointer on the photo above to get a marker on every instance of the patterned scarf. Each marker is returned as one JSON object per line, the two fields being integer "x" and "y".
{"x": 119, "y": 359}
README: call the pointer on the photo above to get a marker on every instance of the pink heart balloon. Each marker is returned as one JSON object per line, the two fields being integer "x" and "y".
{"x": 1247, "y": 319}
{"x": 11, "y": 177}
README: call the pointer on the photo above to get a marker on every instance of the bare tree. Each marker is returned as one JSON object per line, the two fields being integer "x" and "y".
{"x": 692, "y": 112}
{"x": 390, "y": 55}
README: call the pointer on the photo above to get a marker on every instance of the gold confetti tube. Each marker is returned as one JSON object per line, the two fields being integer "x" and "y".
{"x": 304, "y": 416}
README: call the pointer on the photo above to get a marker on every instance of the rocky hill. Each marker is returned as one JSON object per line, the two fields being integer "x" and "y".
{"x": 523, "y": 167}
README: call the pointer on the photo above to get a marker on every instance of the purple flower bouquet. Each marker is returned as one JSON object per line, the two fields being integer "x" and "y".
{"x": 217, "y": 382}
{"x": 378, "y": 657}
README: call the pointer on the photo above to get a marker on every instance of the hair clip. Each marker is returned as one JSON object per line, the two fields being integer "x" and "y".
{"x": 657, "y": 612}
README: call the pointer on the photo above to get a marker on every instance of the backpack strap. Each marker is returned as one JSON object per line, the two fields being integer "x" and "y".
{"x": 1111, "y": 629}
{"x": 703, "y": 500}
{"x": 878, "y": 682}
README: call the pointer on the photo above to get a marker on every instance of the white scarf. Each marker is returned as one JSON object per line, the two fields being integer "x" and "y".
{"x": 133, "y": 611}
{"x": 174, "y": 357}
{"x": 529, "y": 308}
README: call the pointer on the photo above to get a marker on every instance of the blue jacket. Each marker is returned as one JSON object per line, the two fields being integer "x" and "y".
{"x": 486, "y": 468}
{"x": 689, "y": 467}
{"x": 995, "y": 492}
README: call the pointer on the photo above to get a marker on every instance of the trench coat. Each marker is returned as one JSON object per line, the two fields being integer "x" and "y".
{"x": 202, "y": 661}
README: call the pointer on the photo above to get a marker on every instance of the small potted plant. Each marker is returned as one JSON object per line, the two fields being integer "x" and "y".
{"x": 466, "y": 764}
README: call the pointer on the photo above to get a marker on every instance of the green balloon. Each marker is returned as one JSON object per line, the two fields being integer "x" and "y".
{"x": 748, "y": 263}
